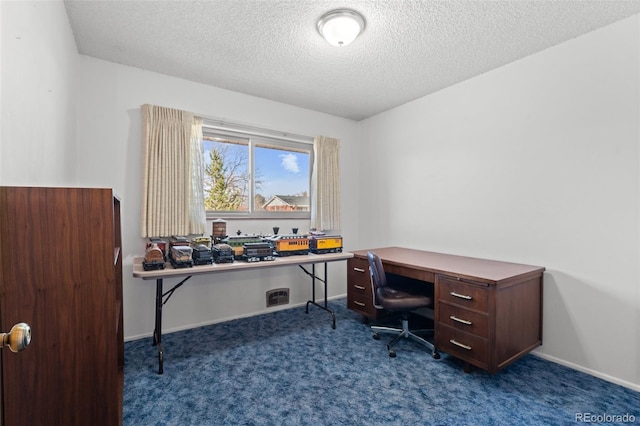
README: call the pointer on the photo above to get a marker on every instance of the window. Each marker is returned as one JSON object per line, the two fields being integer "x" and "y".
{"x": 251, "y": 175}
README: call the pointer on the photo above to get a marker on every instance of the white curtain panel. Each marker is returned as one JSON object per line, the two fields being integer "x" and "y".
{"x": 198, "y": 221}
{"x": 168, "y": 172}
{"x": 325, "y": 180}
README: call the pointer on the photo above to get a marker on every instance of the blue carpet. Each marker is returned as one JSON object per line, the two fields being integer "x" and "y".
{"x": 292, "y": 368}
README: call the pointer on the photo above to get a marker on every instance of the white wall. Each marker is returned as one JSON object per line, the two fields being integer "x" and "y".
{"x": 536, "y": 162}
{"x": 38, "y": 95}
{"x": 110, "y": 134}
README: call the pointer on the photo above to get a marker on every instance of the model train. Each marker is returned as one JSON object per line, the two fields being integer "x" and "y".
{"x": 181, "y": 256}
{"x": 160, "y": 243}
{"x": 182, "y": 252}
{"x": 153, "y": 258}
{"x": 179, "y": 252}
{"x": 237, "y": 243}
{"x": 289, "y": 245}
{"x": 257, "y": 252}
{"x": 321, "y": 244}
{"x": 206, "y": 241}
{"x": 222, "y": 253}
{"x": 202, "y": 255}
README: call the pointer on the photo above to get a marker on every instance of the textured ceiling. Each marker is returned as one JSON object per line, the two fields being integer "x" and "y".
{"x": 271, "y": 48}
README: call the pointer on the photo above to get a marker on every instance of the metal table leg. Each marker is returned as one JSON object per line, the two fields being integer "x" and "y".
{"x": 314, "y": 277}
{"x": 161, "y": 299}
{"x": 157, "y": 331}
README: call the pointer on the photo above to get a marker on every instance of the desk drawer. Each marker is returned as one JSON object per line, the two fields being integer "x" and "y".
{"x": 359, "y": 291}
{"x": 362, "y": 305}
{"x": 358, "y": 276}
{"x": 465, "y": 346}
{"x": 404, "y": 271}
{"x": 463, "y": 293}
{"x": 464, "y": 320}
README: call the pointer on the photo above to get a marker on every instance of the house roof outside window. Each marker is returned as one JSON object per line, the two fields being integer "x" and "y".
{"x": 287, "y": 202}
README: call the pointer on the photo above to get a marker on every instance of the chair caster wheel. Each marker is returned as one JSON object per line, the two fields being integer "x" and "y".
{"x": 392, "y": 354}
{"x": 376, "y": 336}
{"x": 436, "y": 355}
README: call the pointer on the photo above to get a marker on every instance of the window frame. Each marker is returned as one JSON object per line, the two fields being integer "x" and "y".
{"x": 257, "y": 137}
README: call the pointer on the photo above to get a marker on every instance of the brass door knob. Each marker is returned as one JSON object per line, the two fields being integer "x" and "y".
{"x": 18, "y": 338}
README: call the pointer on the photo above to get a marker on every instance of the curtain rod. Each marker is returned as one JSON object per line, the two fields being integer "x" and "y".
{"x": 208, "y": 123}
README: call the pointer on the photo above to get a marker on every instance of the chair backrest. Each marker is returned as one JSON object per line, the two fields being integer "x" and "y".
{"x": 378, "y": 277}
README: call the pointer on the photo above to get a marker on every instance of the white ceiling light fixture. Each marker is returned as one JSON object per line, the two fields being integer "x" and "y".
{"x": 340, "y": 27}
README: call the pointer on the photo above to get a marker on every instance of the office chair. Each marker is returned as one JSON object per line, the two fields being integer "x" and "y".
{"x": 396, "y": 300}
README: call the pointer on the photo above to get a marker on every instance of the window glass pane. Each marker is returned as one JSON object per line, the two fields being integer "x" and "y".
{"x": 281, "y": 178}
{"x": 226, "y": 176}
{"x": 256, "y": 175}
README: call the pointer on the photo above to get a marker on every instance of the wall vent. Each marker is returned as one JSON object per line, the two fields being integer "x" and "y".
{"x": 278, "y": 296}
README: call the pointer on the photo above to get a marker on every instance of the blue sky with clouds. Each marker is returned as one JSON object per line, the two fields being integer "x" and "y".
{"x": 281, "y": 172}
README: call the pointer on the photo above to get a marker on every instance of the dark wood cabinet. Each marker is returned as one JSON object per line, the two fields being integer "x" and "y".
{"x": 61, "y": 272}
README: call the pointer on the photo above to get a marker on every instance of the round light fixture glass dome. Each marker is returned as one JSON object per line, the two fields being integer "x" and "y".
{"x": 340, "y": 27}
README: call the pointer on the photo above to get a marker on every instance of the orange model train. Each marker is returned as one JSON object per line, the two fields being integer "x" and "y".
{"x": 320, "y": 244}
{"x": 288, "y": 245}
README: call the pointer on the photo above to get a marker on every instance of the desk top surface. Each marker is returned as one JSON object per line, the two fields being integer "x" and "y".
{"x": 169, "y": 271}
{"x": 462, "y": 266}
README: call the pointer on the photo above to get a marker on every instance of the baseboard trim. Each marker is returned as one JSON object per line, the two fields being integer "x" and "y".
{"x": 606, "y": 377}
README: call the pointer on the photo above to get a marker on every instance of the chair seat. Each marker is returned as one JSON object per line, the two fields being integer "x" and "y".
{"x": 397, "y": 300}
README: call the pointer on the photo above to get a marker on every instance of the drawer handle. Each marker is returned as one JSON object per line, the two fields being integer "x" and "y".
{"x": 460, "y": 320}
{"x": 461, "y": 345}
{"x": 359, "y": 303}
{"x": 358, "y": 269}
{"x": 359, "y": 287}
{"x": 461, "y": 296}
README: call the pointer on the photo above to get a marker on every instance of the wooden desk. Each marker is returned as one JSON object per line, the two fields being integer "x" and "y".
{"x": 487, "y": 313}
{"x": 186, "y": 273}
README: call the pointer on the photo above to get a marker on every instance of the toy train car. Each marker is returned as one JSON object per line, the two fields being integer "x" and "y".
{"x": 257, "y": 252}
{"x": 181, "y": 256}
{"x": 177, "y": 240}
{"x": 288, "y": 245}
{"x": 153, "y": 258}
{"x": 206, "y": 241}
{"x": 202, "y": 255}
{"x": 162, "y": 245}
{"x": 320, "y": 244}
{"x": 222, "y": 253}
{"x": 237, "y": 242}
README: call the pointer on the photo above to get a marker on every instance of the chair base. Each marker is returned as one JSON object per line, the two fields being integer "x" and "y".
{"x": 406, "y": 333}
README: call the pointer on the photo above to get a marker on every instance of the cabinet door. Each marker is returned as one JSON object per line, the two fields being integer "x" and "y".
{"x": 57, "y": 274}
